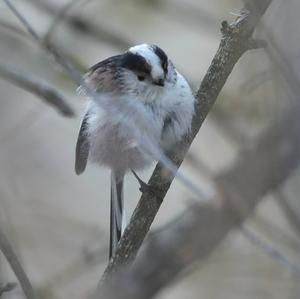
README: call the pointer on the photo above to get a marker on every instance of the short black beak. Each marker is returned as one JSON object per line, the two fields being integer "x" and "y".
{"x": 159, "y": 82}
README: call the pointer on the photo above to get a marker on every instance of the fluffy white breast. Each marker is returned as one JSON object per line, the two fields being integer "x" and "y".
{"x": 176, "y": 107}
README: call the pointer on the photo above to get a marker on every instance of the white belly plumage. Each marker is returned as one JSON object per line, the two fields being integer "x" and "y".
{"x": 116, "y": 150}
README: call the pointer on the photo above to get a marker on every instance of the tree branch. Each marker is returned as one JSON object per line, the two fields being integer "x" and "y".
{"x": 84, "y": 26}
{"x": 289, "y": 211}
{"x": 7, "y": 287}
{"x": 12, "y": 259}
{"x": 42, "y": 89}
{"x": 59, "y": 17}
{"x": 234, "y": 43}
{"x": 187, "y": 240}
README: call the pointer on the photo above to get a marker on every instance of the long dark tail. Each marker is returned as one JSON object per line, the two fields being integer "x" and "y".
{"x": 117, "y": 215}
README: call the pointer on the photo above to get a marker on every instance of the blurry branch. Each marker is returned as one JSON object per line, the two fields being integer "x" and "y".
{"x": 59, "y": 18}
{"x": 269, "y": 249}
{"x": 7, "y": 287}
{"x": 236, "y": 40}
{"x": 275, "y": 232}
{"x": 260, "y": 169}
{"x": 40, "y": 88}
{"x": 287, "y": 70}
{"x": 229, "y": 32}
{"x": 291, "y": 215}
{"x": 13, "y": 261}
{"x": 68, "y": 67}
{"x": 280, "y": 59}
{"x": 85, "y": 26}
{"x": 14, "y": 29}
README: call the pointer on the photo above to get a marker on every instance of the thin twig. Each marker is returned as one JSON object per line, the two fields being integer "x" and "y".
{"x": 59, "y": 18}
{"x": 71, "y": 57}
{"x": 275, "y": 232}
{"x": 269, "y": 249}
{"x": 67, "y": 66}
{"x": 38, "y": 87}
{"x": 233, "y": 45}
{"x": 85, "y": 26}
{"x": 12, "y": 259}
{"x": 7, "y": 26}
{"x": 4, "y": 288}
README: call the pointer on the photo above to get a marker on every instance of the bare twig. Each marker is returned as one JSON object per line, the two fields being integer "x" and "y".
{"x": 59, "y": 18}
{"x": 69, "y": 68}
{"x": 11, "y": 27}
{"x": 12, "y": 259}
{"x": 84, "y": 26}
{"x": 233, "y": 45}
{"x": 71, "y": 57}
{"x": 7, "y": 287}
{"x": 270, "y": 250}
{"x": 275, "y": 232}
{"x": 42, "y": 89}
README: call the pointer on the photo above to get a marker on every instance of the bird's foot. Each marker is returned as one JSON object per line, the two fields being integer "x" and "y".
{"x": 144, "y": 187}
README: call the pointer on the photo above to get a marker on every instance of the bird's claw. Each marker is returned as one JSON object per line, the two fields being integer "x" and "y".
{"x": 144, "y": 187}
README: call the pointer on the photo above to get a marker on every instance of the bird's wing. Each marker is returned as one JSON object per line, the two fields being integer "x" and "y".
{"x": 82, "y": 147}
{"x": 101, "y": 76}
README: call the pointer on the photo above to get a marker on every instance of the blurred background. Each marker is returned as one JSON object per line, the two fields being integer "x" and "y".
{"x": 58, "y": 222}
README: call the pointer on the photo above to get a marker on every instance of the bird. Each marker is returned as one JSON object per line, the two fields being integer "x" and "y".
{"x": 145, "y": 96}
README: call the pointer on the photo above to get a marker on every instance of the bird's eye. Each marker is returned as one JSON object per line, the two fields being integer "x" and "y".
{"x": 141, "y": 77}
{"x": 165, "y": 65}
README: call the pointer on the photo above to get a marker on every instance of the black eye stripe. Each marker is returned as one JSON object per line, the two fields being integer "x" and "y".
{"x": 135, "y": 63}
{"x": 162, "y": 56}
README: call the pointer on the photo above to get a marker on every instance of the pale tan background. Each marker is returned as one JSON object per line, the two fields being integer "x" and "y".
{"x": 58, "y": 222}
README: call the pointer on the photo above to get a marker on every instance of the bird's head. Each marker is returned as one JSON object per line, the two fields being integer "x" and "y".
{"x": 149, "y": 63}
{"x": 143, "y": 70}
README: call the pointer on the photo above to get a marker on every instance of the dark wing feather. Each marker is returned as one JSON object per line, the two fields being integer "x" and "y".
{"x": 82, "y": 147}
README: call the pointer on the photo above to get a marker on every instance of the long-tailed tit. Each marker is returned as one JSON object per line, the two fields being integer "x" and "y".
{"x": 147, "y": 97}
